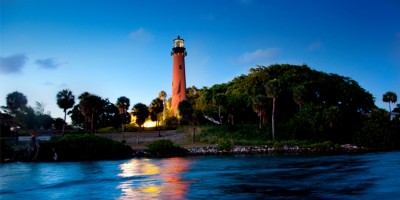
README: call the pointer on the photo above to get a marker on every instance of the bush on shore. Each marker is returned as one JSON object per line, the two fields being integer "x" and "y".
{"x": 165, "y": 148}
{"x": 6, "y": 152}
{"x": 84, "y": 147}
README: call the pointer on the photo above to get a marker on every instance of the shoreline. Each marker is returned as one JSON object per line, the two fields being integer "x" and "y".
{"x": 263, "y": 149}
{"x": 200, "y": 149}
{"x": 239, "y": 150}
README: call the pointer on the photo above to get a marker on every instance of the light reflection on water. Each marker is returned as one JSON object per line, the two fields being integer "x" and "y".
{"x": 163, "y": 178}
{"x": 350, "y": 176}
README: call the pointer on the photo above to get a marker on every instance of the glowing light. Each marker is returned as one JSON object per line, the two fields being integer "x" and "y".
{"x": 149, "y": 124}
{"x": 151, "y": 189}
{"x": 138, "y": 168}
{"x": 166, "y": 179}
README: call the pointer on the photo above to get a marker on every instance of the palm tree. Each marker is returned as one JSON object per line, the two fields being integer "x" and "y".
{"x": 259, "y": 106}
{"x": 389, "y": 97}
{"x": 90, "y": 105}
{"x": 273, "y": 88}
{"x": 123, "y": 104}
{"x": 163, "y": 96}
{"x": 156, "y": 107}
{"x": 65, "y": 100}
{"x": 299, "y": 94}
{"x": 219, "y": 99}
{"x": 141, "y": 112}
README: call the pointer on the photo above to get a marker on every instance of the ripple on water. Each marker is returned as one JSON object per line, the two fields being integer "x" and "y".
{"x": 348, "y": 176}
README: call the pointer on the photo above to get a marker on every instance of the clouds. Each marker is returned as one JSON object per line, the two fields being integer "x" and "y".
{"x": 260, "y": 55}
{"x": 141, "y": 35}
{"x": 48, "y": 63}
{"x": 13, "y": 64}
{"x": 57, "y": 85}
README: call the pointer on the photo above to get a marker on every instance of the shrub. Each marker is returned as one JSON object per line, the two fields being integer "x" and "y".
{"x": 323, "y": 145}
{"x": 84, "y": 147}
{"x": 379, "y": 132}
{"x": 131, "y": 128}
{"x": 6, "y": 151}
{"x": 171, "y": 121}
{"x": 108, "y": 129}
{"x": 165, "y": 148}
{"x": 225, "y": 145}
{"x": 243, "y": 134}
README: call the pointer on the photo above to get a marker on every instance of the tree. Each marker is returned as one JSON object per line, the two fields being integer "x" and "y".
{"x": 109, "y": 115}
{"x": 260, "y": 107}
{"x": 273, "y": 88}
{"x": 192, "y": 94}
{"x": 77, "y": 118}
{"x": 123, "y": 104}
{"x": 65, "y": 100}
{"x": 389, "y": 97}
{"x": 141, "y": 112}
{"x": 156, "y": 107}
{"x": 185, "y": 110}
{"x": 41, "y": 119}
{"x": 15, "y": 101}
{"x": 220, "y": 100}
{"x": 299, "y": 95}
{"x": 90, "y": 105}
{"x": 39, "y": 108}
{"x": 187, "y": 113}
{"x": 163, "y": 96}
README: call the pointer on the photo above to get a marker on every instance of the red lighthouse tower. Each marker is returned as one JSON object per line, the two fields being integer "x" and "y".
{"x": 178, "y": 74}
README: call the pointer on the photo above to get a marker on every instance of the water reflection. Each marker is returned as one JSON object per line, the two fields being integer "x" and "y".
{"x": 156, "y": 179}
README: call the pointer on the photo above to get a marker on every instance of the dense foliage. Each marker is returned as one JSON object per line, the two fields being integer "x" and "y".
{"x": 6, "y": 151}
{"x": 18, "y": 115}
{"x": 165, "y": 148}
{"x": 278, "y": 102}
{"x": 297, "y": 103}
{"x": 378, "y": 131}
{"x": 84, "y": 147}
{"x": 94, "y": 112}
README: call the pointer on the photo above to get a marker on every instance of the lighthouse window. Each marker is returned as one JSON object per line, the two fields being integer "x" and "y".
{"x": 178, "y": 43}
{"x": 180, "y": 66}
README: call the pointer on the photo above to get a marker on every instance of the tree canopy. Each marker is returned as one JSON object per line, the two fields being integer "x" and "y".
{"x": 335, "y": 103}
{"x": 141, "y": 112}
{"x": 297, "y": 101}
{"x": 65, "y": 100}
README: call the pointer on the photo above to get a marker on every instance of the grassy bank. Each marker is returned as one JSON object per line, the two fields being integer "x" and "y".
{"x": 226, "y": 136}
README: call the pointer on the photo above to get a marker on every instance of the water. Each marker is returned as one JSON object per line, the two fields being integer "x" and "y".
{"x": 350, "y": 176}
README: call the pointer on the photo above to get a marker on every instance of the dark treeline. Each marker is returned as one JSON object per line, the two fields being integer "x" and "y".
{"x": 296, "y": 102}
{"x": 284, "y": 101}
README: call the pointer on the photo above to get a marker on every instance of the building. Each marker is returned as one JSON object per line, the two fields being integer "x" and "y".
{"x": 178, "y": 74}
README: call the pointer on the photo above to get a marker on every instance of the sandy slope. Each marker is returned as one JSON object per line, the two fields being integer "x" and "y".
{"x": 139, "y": 140}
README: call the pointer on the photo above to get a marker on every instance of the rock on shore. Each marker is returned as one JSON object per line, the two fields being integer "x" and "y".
{"x": 265, "y": 149}
{"x": 268, "y": 149}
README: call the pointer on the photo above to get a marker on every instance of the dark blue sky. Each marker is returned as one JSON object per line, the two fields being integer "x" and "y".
{"x": 122, "y": 48}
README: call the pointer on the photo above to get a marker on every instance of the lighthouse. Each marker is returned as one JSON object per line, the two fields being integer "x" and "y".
{"x": 178, "y": 74}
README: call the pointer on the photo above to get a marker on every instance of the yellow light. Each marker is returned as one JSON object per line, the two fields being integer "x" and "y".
{"x": 166, "y": 172}
{"x": 151, "y": 189}
{"x": 149, "y": 124}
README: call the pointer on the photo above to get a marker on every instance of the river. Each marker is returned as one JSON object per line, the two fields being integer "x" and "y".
{"x": 304, "y": 176}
